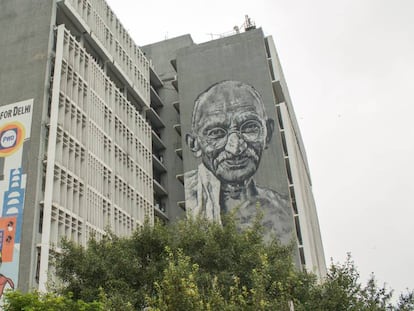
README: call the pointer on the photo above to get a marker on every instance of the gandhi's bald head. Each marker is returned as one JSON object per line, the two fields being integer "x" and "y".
{"x": 230, "y": 129}
{"x": 225, "y": 93}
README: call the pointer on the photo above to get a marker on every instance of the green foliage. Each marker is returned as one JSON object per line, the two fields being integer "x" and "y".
{"x": 178, "y": 289}
{"x": 199, "y": 265}
{"x": 34, "y": 301}
{"x": 343, "y": 291}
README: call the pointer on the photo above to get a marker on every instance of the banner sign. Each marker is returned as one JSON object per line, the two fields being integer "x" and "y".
{"x": 15, "y": 123}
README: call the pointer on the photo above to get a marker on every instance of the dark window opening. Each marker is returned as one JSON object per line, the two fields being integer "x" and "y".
{"x": 298, "y": 231}
{"x": 302, "y": 256}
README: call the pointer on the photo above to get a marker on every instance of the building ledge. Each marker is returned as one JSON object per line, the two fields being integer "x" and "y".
{"x": 154, "y": 118}
{"x": 159, "y": 213}
{"x": 157, "y": 143}
{"x": 179, "y": 152}
{"x": 277, "y": 90}
{"x": 155, "y": 80}
{"x": 180, "y": 178}
{"x": 156, "y": 101}
{"x": 158, "y": 165}
{"x": 177, "y": 128}
{"x": 175, "y": 83}
{"x": 181, "y": 204}
{"x": 176, "y": 105}
{"x": 173, "y": 63}
{"x": 158, "y": 189}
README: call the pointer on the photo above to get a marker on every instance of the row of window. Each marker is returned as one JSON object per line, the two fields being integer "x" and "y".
{"x": 135, "y": 147}
{"x": 72, "y": 207}
{"x": 96, "y": 95}
{"x": 65, "y": 224}
{"x": 128, "y": 127}
{"x": 131, "y": 118}
{"x": 98, "y": 175}
{"x": 107, "y": 28}
{"x": 132, "y": 172}
{"x": 119, "y": 33}
{"x": 71, "y": 118}
{"x": 291, "y": 186}
{"x": 130, "y": 200}
{"x": 75, "y": 55}
{"x": 70, "y": 152}
{"x": 92, "y": 231}
{"x": 98, "y": 211}
{"x": 99, "y": 143}
{"x": 103, "y": 162}
{"x": 124, "y": 224}
{"x": 68, "y": 190}
{"x": 100, "y": 113}
{"x": 72, "y": 121}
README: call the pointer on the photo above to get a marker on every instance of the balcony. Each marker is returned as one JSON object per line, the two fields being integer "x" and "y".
{"x": 160, "y": 212}
{"x": 154, "y": 78}
{"x": 159, "y": 190}
{"x": 158, "y": 165}
{"x": 156, "y": 101}
{"x": 157, "y": 143}
{"x": 154, "y": 119}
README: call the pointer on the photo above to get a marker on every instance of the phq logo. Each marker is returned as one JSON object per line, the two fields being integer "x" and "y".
{"x": 11, "y": 138}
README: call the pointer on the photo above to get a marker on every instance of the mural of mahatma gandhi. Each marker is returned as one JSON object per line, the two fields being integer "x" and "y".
{"x": 229, "y": 132}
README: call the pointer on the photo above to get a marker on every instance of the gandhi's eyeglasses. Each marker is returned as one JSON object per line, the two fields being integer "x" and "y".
{"x": 250, "y": 131}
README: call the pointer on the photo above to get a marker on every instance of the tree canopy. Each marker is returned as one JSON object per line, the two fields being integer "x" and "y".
{"x": 199, "y": 265}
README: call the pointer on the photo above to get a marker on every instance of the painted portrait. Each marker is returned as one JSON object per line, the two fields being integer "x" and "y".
{"x": 230, "y": 131}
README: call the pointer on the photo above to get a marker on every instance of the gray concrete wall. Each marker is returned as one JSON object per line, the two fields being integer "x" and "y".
{"x": 243, "y": 58}
{"x": 25, "y": 49}
{"x": 161, "y": 54}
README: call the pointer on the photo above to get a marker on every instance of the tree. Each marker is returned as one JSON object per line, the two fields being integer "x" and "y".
{"x": 198, "y": 265}
{"x": 342, "y": 291}
{"x": 34, "y": 301}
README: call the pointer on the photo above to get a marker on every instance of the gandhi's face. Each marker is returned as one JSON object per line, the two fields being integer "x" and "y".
{"x": 232, "y": 131}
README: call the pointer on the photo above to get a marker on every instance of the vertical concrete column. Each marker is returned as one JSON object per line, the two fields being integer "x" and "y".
{"x": 47, "y": 208}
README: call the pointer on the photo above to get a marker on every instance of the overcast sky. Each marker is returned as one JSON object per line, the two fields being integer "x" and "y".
{"x": 349, "y": 66}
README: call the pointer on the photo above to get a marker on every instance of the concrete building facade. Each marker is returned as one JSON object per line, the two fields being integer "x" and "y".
{"x": 87, "y": 163}
{"x": 96, "y": 132}
{"x": 281, "y": 176}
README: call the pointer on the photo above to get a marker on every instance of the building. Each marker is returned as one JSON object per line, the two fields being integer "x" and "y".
{"x": 75, "y": 89}
{"x": 189, "y": 71}
{"x": 93, "y": 130}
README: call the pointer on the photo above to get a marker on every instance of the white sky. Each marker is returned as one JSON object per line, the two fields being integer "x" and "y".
{"x": 349, "y": 65}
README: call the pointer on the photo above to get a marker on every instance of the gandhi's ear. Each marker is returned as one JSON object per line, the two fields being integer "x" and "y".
{"x": 270, "y": 126}
{"x": 192, "y": 143}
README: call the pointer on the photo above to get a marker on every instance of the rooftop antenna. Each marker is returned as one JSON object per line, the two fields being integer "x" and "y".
{"x": 248, "y": 23}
